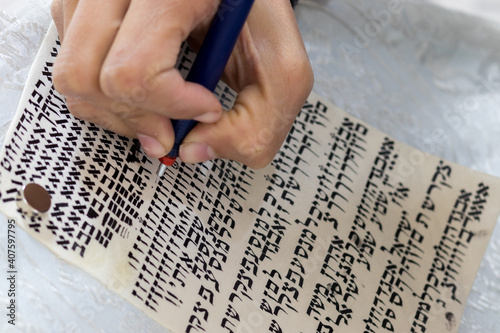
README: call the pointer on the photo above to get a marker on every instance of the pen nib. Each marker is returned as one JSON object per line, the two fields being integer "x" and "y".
{"x": 161, "y": 170}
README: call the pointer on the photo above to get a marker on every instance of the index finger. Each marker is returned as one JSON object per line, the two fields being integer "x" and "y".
{"x": 146, "y": 49}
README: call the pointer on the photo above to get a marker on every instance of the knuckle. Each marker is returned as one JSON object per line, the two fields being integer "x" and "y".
{"x": 255, "y": 140}
{"x": 260, "y": 162}
{"x": 71, "y": 78}
{"x": 300, "y": 70}
{"x": 60, "y": 78}
{"x": 257, "y": 150}
{"x": 120, "y": 80}
{"x": 259, "y": 157}
{"x": 307, "y": 75}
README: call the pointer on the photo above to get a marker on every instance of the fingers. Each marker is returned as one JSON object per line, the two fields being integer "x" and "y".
{"x": 56, "y": 10}
{"x": 78, "y": 69}
{"x": 116, "y": 69}
{"x": 251, "y": 133}
{"x": 117, "y": 61}
{"x": 62, "y": 12}
{"x": 82, "y": 109}
{"x": 79, "y": 62}
{"x": 169, "y": 25}
{"x": 272, "y": 73}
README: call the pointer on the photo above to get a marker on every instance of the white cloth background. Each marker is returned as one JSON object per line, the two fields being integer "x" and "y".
{"x": 22, "y": 27}
{"x": 489, "y": 9}
{"x": 56, "y": 297}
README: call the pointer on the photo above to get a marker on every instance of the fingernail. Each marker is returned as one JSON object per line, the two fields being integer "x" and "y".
{"x": 151, "y": 146}
{"x": 209, "y": 117}
{"x": 196, "y": 152}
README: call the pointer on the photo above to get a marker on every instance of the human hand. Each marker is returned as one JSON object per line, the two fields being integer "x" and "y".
{"x": 116, "y": 69}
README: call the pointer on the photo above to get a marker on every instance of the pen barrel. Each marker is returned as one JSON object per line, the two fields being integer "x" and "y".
{"x": 181, "y": 130}
{"x": 213, "y": 55}
{"x": 219, "y": 42}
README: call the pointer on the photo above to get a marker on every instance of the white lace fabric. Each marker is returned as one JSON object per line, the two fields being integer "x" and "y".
{"x": 23, "y": 25}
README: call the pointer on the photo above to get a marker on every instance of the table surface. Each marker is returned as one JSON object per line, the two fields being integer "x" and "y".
{"x": 427, "y": 76}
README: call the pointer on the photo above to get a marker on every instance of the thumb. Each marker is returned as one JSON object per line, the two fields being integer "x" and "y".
{"x": 250, "y": 133}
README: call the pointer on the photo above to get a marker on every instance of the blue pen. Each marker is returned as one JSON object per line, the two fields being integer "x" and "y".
{"x": 210, "y": 62}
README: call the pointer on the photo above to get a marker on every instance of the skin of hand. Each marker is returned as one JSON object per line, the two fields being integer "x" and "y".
{"x": 116, "y": 69}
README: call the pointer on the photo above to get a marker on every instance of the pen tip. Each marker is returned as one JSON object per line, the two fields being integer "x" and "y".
{"x": 160, "y": 172}
{"x": 165, "y": 161}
